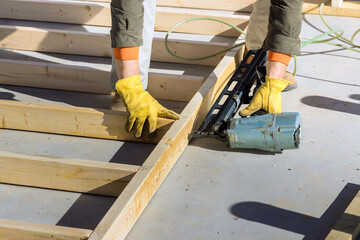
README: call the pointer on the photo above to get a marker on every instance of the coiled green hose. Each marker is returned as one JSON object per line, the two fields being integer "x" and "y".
{"x": 315, "y": 40}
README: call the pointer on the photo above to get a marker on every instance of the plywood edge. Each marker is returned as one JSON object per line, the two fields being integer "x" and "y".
{"x": 76, "y": 121}
{"x": 348, "y": 226}
{"x": 75, "y": 175}
{"x": 15, "y": 230}
{"x": 125, "y": 211}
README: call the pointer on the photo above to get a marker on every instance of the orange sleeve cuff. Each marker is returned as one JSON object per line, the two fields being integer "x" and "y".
{"x": 126, "y": 53}
{"x": 279, "y": 57}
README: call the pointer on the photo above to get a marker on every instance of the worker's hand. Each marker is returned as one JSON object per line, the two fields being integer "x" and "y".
{"x": 267, "y": 97}
{"x": 140, "y": 105}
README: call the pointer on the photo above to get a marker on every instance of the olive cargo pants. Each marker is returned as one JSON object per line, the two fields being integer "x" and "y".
{"x": 133, "y": 24}
{"x": 275, "y": 25}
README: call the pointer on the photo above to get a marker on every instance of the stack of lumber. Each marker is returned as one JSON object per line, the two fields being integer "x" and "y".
{"x": 65, "y": 45}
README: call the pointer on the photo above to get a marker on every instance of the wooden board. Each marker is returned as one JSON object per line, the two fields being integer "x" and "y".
{"x": 336, "y": 7}
{"x": 227, "y": 5}
{"x": 65, "y": 174}
{"x": 76, "y": 121}
{"x": 98, "y": 14}
{"x": 15, "y": 230}
{"x": 347, "y": 9}
{"x": 94, "y": 79}
{"x": 348, "y": 226}
{"x": 127, "y": 208}
{"x": 95, "y": 41}
{"x": 167, "y": 17}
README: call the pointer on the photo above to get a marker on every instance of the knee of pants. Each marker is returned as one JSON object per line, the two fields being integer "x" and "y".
{"x": 258, "y": 25}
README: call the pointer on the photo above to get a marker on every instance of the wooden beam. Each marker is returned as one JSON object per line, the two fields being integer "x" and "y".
{"x": 15, "y": 230}
{"x": 95, "y": 41}
{"x": 348, "y": 226}
{"x": 227, "y": 5}
{"x": 65, "y": 11}
{"x": 65, "y": 174}
{"x": 167, "y": 17}
{"x": 336, "y": 3}
{"x": 189, "y": 49}
{"x": 98, "y": 14}
{"x": 127, "y": 208}
{"x": 54, "y": 76}
{"x": 92, "y": 78}
{"x": 336, "y": 7}
{"x": 347, "y": 9}
{"x": 76, "y": 121}
{"x": 178, "y": 88}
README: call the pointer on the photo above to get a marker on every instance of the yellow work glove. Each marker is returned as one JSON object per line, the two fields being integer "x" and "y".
{"x": 267, "y": 97}
{"x": 140, "y": 105}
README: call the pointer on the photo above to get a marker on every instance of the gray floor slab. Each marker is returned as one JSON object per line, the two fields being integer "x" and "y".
{"x": 217, "y": 193}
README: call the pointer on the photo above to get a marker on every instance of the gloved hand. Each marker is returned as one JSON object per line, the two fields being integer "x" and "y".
{"x": 140, "y": 105}
{"x": 267, "y": 97}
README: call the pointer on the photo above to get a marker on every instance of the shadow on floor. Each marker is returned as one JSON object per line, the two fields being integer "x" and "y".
{"x": 7, "y": 96}
{"x": 79, "y": 99}
{"x": 87, "y": 211}
{"x": 355, "y": 96}
{"x": 311, "y": 227}
{"x": 133, "y": 153}
{"x": 217, "y": 145}
{"x": 332, "y": 104}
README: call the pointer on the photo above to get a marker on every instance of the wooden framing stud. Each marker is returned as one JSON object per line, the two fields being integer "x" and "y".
{"x": 348, "y": 226}
{"x": 76, "y": 121}
{"x": 15, "y": 230}
{"x": 65, "y": 174}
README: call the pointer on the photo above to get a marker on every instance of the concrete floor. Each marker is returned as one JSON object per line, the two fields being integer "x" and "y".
{"x": 217, "y": 193}
{"x": 214, "y": 192}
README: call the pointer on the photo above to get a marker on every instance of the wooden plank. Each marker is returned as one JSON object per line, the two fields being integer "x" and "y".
{"x": 348, "y": 226}
{"x": 95, "y": 41}
{"x": 347, "y": 9}
{"x": 76, "y": 121}
{"x": 98, "y": 14}
{"x": 177, "y": 88}
{"x": 336, "y": 3}
{"x": 167, "y": 17}
{"x": 65, "y": 11}
{"x": 167, "y": 86}
{"x": 15, "y": 230}
{"x": 189, "y": 49}
{"x": 54, "y": 76}
{"x": 127, "y": 208}
{"x": 227, "y": 5}
{"x": 65, "y": 174}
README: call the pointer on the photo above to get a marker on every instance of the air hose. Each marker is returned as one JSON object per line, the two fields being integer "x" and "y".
{"x": 333, "y": 34}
